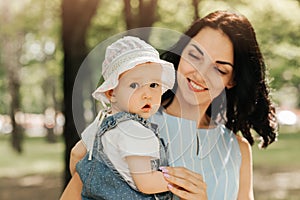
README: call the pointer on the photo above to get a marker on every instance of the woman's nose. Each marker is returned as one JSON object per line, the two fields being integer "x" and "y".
{"x": 207, "y": 71}
{"x": 203, "y": 68}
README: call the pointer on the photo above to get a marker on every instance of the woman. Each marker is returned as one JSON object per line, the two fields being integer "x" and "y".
{"x": 221, "y": 91}
{"x": 232, "y": 89}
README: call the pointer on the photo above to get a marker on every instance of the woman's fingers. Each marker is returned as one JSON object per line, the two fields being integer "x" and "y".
{"x": 183, "y": 194}
{"x": 181, "y": 174}
{"x": 185, "y": 183}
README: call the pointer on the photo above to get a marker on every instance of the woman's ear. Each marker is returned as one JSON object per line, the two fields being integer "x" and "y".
{"x": 111, "y": 96}
{"x": 230, "y": 84}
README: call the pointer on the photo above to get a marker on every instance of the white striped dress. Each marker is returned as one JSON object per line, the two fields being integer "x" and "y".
{"x": 213, "y": 153}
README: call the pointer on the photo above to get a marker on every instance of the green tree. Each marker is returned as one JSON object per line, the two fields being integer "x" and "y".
{"x": 29, "y": 45}
{"x": 11, "y": 49}
{"x": 278, "y": 31}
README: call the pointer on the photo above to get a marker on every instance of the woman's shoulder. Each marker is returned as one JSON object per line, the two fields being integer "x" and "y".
{"x": 244, "y": 145}
{"x": 242, "y": 142}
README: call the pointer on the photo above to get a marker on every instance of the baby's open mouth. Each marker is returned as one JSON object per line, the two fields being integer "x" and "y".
{"x": 146, "y": 108}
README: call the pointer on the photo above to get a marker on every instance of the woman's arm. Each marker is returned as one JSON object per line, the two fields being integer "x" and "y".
{"x": 246, "y": 171}
{"x": 146, "y": 180}
{"x": 73, "y": 189}
{"x": 77, "y": 153}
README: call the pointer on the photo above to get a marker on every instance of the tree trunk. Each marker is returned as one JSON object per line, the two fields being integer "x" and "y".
{"x": 76, "y": 18}
{"x": 145, "y": 16}
{"x": 17, "y": 131}
{"x": 14, "y": 88}
{"x": 50, "y": 108}
{"x": 196, "y": 10}
{"x": 11, "y": 52}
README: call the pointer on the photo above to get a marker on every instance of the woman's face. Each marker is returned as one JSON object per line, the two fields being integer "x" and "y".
{"x": 205, "y": 67}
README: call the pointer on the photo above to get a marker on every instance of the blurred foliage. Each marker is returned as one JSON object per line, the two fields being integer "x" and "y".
{"x": 38, "y": 21}
{"x": 278, "y": 32}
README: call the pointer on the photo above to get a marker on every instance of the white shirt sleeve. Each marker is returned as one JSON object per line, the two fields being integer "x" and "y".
{"x": 89, "y": 134}
{"x": 136, "y": 140}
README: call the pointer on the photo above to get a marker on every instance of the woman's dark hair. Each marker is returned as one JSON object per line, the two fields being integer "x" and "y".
{"x": 248, "y": 105}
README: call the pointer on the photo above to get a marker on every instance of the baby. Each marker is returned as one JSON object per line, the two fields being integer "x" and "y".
{"x": 126, "y": 142}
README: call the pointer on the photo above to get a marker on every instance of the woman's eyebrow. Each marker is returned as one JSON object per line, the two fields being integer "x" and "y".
{"x": 198, "y": 49}
{"x": 224, "y": 63}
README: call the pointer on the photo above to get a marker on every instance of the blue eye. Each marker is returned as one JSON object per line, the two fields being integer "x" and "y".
{"x": 154, "y": 85}
{"x": 134, "y": 85}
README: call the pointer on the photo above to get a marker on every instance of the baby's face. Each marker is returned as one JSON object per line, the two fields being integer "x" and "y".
{"x": 139, "y": 90}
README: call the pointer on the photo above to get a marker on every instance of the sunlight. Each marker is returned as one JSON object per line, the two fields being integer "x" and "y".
{"x": 287, "y": 117}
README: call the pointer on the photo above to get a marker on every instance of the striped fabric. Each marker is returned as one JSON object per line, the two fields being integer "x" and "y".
{"x": 213, "y": 153}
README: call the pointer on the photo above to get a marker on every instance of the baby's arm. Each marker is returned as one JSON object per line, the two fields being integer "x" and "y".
{"x": 77, "y": 153}
{"x": 146, "y": 180}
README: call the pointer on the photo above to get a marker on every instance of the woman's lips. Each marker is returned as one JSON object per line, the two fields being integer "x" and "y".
{"x": 195, "y": 87}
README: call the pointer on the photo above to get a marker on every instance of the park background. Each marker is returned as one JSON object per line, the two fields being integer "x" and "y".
{"x": 44, "y": 42}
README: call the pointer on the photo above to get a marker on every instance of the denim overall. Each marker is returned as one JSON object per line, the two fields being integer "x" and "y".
{"x": 101, "y": 180}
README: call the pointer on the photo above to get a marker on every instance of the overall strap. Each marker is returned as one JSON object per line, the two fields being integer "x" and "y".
{"x": 111, "y": 122}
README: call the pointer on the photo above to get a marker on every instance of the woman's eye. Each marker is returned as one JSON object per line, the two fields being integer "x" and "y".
{"x": 134, "y": 85}
{"x": 154, "y": 85}
{"x": 220, "y": 71}
{"x": 194, "y": 56}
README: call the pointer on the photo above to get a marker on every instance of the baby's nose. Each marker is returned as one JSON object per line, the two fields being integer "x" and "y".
{"x": 146, "y": 93}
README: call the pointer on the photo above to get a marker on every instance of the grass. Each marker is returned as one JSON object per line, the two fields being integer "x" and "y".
{"x": 38, "y": 156}
{"x": 282, "y": 154}
{"x": 37, "y": 171}
{"x": 276, "y": 169}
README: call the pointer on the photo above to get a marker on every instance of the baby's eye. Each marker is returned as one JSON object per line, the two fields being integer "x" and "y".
{"x": 154, "y": 85}
{"x": 134, "y": 85}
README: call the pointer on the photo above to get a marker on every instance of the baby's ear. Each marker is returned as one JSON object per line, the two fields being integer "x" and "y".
{"x": 110, "y": 95}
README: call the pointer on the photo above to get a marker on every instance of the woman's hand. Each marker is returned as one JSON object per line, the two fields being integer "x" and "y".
{"x": 73, "y": 189}
{"x": 185, "y": 183}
